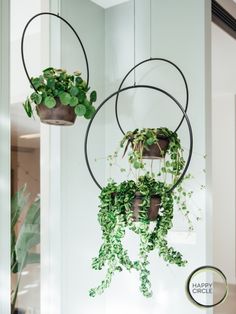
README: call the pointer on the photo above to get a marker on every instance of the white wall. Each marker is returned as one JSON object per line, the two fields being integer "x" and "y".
{"x": 223, "y": 150}
{"x": 178, "y": 34}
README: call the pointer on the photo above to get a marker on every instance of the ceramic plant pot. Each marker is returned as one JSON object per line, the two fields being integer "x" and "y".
{"x": 59, "y": 115}
{"x": 153, "y": 209}
{"x": 157, "y": 150}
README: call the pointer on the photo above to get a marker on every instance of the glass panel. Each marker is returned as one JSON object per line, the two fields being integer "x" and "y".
{"x": 25, "y": 159}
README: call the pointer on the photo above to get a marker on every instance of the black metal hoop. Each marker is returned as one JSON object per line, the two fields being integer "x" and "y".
{"x": 161, "y": 91}
{"x": 137, "y": 65}
{"x": 22, "y": 45}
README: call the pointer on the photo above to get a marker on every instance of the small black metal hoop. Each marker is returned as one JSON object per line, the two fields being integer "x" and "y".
{"x": 74, "y": 31}
{"x": 148, "y": 87}
{"x": 137, "y": 65}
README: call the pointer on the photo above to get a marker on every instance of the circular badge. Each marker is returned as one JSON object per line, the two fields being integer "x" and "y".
{"x": 207, "y": 286}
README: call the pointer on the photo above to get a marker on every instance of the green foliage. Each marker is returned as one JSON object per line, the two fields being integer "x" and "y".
{"x": 141, "y": 139}
{"x": 70, "y": 89}
{"x": 116, "y": 216}
{"x": 27, "y": 237}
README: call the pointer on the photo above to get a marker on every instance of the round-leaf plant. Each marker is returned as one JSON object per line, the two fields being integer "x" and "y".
{"x": 116, "y": 216}
{"x": 70, "y": 89}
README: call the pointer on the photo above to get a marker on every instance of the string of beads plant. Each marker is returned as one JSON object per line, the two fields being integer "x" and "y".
{"x": 116, "y": 215}
{"x": 130, "y": 205}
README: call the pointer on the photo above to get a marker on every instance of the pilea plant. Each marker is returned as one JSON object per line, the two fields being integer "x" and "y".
{"x": 116, "y": 216}
{"x": 57, "y": 85}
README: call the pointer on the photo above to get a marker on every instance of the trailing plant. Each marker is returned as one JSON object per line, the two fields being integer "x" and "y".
{"x": 141, "y": 139}
{"x": 70, "y": 89}
{"x": 23, "y": 240}
{"x": 116, "y": 216}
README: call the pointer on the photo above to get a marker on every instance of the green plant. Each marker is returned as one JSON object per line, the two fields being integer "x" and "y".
{"x": 26, "y": 238}
{"x": 70, "y": 89}
{"x": 141, "y": 139}
{"x": 116, "y": 216}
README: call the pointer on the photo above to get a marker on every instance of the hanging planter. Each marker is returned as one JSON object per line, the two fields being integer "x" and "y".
{"x": 152, "y": 210}
{"x": 144, "y": 206}
{"x": 153, "y": 144}
{"x": 59, "y": 114}
{"x": 59, "y": 97}
{"x": 148, "y": 143}
{"x": 116, "y": 216}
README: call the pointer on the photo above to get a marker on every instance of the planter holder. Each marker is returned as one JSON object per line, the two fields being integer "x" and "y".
{"x": 142, "y": 87}
{"x": 155, "y": 202}
{"x": 155, "y": 151}
{"x": 60, "y": 114}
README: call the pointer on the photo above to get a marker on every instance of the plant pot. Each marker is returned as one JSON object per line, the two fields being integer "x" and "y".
{"x": 153, "y": 210}
{"x": 59, "y": 115}
{"x": 156, "y": 151}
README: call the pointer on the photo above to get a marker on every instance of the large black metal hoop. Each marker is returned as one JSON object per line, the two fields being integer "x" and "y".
{"x": 73, "y": 30}
{"x": 148, "y": 87}
{"x": 137, "y": 65}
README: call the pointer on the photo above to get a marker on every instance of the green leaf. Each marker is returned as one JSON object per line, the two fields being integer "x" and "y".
{"x": 50, "y": 69}
{"x": 81, "y": 96}
{"x": 90, "y": 111}
{"x": 51, "y": 82}
{"x": 50, "y": 102}
{"x": 36, "y": 98}
{"x": 18, "y": 202}
{"x": 77, "y": 73}
{"x": 150, "y": 141}
{"x": 87, "y": 103}
{"x": 28, "y": 108}
{"x": 36, "y": 82}
{"x": 78, "y": 80}
{"x": 80, "y": 110}
{"x": 29, "y": 234}
{"x": 74, "y": 91}
{"x": 65, "y": 98}
{"x": 74, "y": 101}
{"x": 93, "y": 96}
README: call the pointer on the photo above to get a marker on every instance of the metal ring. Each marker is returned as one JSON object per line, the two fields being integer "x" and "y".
{"x": 22, "y": 44}
{"x": 161, "y": 91}
{"x": 137, "y": 65}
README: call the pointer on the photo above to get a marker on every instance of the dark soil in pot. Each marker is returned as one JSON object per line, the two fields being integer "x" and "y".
{"x": 59, "y": 115}
{"x": 157, "y": 150}
{"x": 153, "y": 210}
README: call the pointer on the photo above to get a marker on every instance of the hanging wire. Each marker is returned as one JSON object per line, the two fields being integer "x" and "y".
{"x": 150, "y": 28}
{"x": 134, "y": 6}
{"x": 58, "y": 7}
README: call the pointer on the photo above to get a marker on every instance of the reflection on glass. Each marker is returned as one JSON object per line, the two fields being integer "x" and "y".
{"x": 25, "y": 161}
{"x": 25, "y": 214}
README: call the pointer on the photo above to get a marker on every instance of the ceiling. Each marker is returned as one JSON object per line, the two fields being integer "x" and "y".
{"x": 108, "y": 3}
